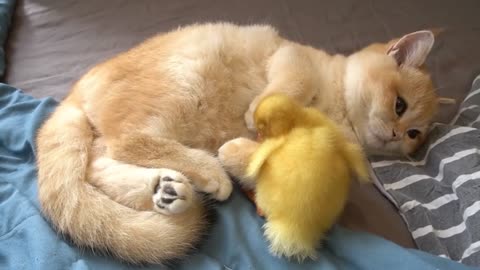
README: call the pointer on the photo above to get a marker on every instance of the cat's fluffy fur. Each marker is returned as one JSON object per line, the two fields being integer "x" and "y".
{"x": 139, "y": 132}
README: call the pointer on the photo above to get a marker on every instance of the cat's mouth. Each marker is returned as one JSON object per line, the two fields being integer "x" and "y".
{"x": 379, "y": 141}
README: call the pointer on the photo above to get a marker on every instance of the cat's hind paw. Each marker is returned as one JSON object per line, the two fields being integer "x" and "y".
{"x": 173, "y": 194}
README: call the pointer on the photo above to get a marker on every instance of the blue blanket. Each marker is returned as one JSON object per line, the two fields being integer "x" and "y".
{"x": 235, "y": 242}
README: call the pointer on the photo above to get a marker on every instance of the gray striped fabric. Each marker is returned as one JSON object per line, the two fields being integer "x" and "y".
{"x": 438, "y": 191}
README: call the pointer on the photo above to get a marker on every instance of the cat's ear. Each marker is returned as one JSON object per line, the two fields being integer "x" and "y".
{"x": 412, "y": 49}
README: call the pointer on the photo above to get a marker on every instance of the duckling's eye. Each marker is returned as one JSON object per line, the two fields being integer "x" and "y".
{"x": 413, "y": 133}
{"x": 400, "y": 106}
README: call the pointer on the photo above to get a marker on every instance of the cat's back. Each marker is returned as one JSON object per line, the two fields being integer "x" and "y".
{"x": 189, "y": 54}
{"x": 201, "y": 59}
{"x": 231, "y": 37}
{"x": 212, "y": 41}
{"x": 204, "y": 76}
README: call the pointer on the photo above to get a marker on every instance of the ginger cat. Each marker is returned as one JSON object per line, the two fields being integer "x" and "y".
{"x": 120, "y": 159}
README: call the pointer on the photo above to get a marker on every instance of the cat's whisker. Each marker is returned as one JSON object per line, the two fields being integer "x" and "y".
{"x": 410, "y": 158}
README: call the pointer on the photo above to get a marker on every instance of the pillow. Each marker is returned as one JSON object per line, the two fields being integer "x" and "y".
{"x": 438, "y": 191}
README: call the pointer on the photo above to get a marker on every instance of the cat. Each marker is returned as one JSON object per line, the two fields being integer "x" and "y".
{"x": 121, "y": 159}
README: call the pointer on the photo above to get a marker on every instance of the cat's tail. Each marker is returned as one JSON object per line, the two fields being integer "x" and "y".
{"x": 89, "y": 217}
{"x": 357, "y": 161}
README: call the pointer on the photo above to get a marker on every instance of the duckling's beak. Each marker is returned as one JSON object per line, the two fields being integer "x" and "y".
{"x": 259, "y": 137}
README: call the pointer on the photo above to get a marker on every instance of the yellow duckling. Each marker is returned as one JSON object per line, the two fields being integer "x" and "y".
{"x": 303, "y": 170}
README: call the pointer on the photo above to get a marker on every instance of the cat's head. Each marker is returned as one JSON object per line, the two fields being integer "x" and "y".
{"x": 390, "y": 96}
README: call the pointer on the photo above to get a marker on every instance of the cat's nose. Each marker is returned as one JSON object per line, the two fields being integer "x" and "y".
{"x": 395, "y": 135}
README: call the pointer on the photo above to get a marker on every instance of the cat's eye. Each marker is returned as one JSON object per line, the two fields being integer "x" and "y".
{"x": 413, "y": 133}
{"x": 400, "y": 106}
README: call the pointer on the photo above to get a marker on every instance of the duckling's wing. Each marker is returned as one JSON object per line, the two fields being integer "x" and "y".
{"x": 261, "y": 155}
{"x": 354, "y": 155}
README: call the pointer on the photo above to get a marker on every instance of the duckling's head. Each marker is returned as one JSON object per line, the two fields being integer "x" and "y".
{"x": 275, "y": 115}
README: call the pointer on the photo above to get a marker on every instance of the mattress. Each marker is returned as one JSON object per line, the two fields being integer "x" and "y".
{"x": 53, "y": 42}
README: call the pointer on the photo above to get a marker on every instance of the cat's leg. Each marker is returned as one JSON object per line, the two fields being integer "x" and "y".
{"x": 235, "y": 155}
{"x": 162, "y": 190}
{"x": 290, "y": 71}
{"x": 203, "y": 170}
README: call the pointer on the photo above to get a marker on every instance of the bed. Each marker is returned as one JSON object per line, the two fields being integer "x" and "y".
{"x": 52, "y": 42}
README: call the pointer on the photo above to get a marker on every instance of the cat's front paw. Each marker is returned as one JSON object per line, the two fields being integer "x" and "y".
{"x": 173, "y": 192}
{"x": 232, "y": 156}
{"x": 235, "y": 155}
{"x": 219, "y": 186}
{"x": 208, "y": 176}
